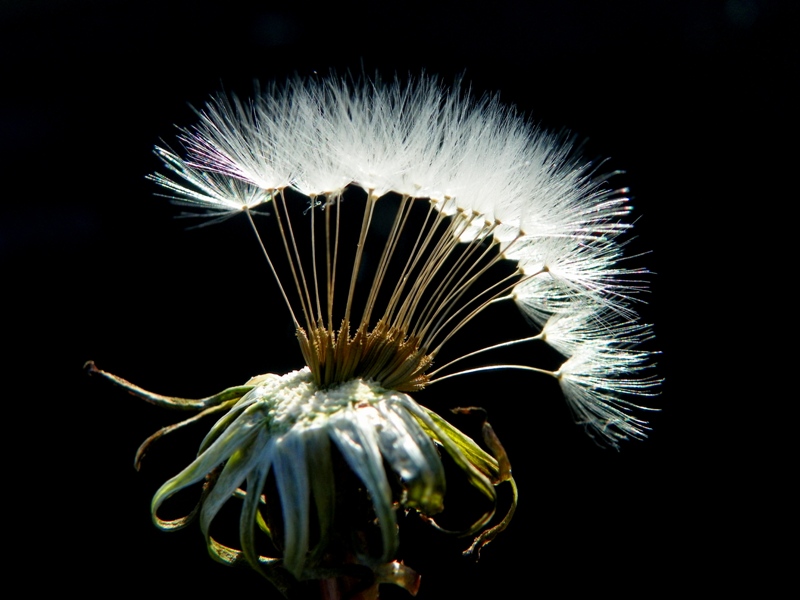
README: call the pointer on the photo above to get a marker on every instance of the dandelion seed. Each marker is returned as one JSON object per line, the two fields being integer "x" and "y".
{"x": 463, "y": 189}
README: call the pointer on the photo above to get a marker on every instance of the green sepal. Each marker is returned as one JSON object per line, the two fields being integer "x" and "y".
{"x": 476, "y": 455}
{"x": 172, "y": 402}
{"x": 480, "y": 468}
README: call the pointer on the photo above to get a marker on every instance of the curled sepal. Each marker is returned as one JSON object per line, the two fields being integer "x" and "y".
{"x": 173, "y": 402}
{"x": 488, "y": 535}
{"x": 270, "y": 568}
{"x": 145, "y": 445}
{"x": 241, "y": 405}
{"x": 252, "y": 444}
{"x": 250, "y": 514}
{"x": 233, "y": 441}
{"x": 490, "y": 439}
{"x": 497, "y": 468}
{"x": 477, "y": 456}
{"x": 498, "y": 452}
{"x": 503, "y": 472}
{"x": 480, "y": 468}
{"x": 181, "y": 522}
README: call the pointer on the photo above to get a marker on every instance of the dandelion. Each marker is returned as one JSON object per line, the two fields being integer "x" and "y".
{"x": 397, "y": 214}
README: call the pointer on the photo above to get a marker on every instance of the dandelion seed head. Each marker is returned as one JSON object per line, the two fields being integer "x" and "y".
{"x": 462, "y": 203}
{"x": 493, "y": 178}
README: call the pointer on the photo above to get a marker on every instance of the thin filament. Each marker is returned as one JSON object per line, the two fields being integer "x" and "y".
{"x": 493, "y": 368}
{"x": 272, "y": 268}
{"x": 532, "y": 338}
{"x": 368, "y": 209}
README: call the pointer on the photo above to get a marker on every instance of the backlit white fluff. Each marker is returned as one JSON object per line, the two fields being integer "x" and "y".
{"x": 398, "y": 213}
{"x": 477, "y": 161}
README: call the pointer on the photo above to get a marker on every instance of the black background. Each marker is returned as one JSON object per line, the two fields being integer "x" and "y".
{"x": 690, "y": 98}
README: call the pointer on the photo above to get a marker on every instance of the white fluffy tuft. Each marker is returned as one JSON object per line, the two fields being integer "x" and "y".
{"x": 475, "y": 158}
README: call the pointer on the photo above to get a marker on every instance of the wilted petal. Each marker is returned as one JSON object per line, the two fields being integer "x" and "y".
{"x": 323, "y": 486}
{"x": 239, "y": 434}
{"x": 255, "y": 484}
{"x": 291, "y": 476}
{"x": 357, "y": 441}
{"x": 249, "y": 453}
{"x": 412, "y": 455}
{"x": 223, "y": 423}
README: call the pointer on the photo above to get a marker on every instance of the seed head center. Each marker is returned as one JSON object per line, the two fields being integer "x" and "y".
{"x": 385, "y": 354}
